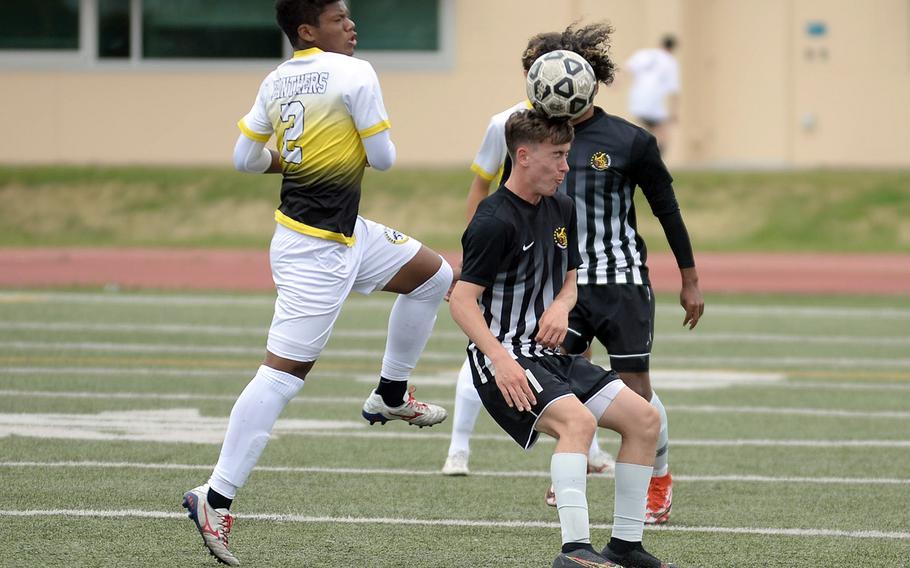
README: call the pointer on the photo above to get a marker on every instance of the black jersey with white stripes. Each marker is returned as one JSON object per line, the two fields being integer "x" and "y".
{"x": 520, "y": 253}
{"x": 609, "y": 158}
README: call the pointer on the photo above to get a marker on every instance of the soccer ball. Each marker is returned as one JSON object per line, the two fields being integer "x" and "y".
{"x": 561, "y": 84}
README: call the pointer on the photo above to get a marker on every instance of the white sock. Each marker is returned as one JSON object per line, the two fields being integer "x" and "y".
{"x": 252, "y": 419}
{"x": 569, "y": 475}
{"x": 595, "y": 445}
{"x": 662, "y": 461}
{"x": 467, "y": 407}
{"x": 411, "y": 323}
{"x": 631, "y": 496}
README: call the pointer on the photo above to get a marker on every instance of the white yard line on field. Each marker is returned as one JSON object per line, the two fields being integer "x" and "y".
{"x": 144, "y": 514}
{"x": 225, "y": 350}
{"x": 24, "y": 297}
{"x": 320, "y": 399}
{"x": 448, "y": 356}
{"x": 210, "y": 372}
{"x": 259, "y": 331}
{"x": 88, "y": 464}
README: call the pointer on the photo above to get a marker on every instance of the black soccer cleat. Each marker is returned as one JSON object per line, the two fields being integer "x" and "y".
{"x": 582, "y": 558}
{"x": 635, "y": 558}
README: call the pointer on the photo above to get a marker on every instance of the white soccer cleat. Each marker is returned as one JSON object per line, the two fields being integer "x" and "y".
{"x": 600, "y": 462}
{"x": 660, "y": 500}
{"x": 550, "y": 497}
{"x": 412, "y": 411}
{"x": 456, "y": 464}
{"x": 214, "y": 524}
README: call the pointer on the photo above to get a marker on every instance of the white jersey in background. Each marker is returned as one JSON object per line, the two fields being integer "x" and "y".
{"x": 656, "y": 75}
{"x": 492, "y": 154}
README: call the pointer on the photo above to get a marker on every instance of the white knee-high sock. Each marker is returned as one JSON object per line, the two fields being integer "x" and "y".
{"x": 595, "y": 445}
{"x": 631, "y": 496}
{"x": 662, "y": 460}
{"x": 252, "y": 419}
{"x": 467, "y": 407}
{"x": 411, "y": 323}
{"x": 568, "y": 472}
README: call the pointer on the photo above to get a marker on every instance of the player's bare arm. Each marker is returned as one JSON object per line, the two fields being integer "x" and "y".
{"x": 479, "y": 190}
{"x": 690, "y": 297}
{"x": 554, "y": 322}
{"x": 510, "y": 377}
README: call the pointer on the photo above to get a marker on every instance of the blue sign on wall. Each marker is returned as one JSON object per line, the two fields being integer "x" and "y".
{"x": 816, "y": 29}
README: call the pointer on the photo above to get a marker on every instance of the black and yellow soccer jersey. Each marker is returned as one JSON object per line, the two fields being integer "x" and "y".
{"x": 319, "y": 106}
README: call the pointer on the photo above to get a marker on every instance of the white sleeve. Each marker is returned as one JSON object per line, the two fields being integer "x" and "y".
{"x": 380, "y": 150}
{"x": 256, "y": 124}
{"x": 636, "y": 62}
{"x": 364, "y": 102}
{"x": 492, "y": 151}
{"x": 673, "y": 76}
{"x": 251, "y": 156}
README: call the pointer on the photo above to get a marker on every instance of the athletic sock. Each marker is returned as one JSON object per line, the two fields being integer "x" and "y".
{"x": 595, "y": 445}
{"x": 392, "y": 392}
{"x": 573, "y": 546}
{"x": 620, "y": 546}
{"x": 251, "y": 422}
{"x": 568, "y": 472}
{"x": 464, "y": 415}
{"x": 410, "y": 324}
{"x": 662, "y": 459}
{"x": 631, "y": 493}
{"x": 217, "y": 500}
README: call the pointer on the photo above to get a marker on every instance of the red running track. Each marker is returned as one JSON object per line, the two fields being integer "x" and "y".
{"x": 248, "y": 270}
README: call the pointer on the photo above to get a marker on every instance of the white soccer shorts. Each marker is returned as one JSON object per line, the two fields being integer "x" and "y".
{"x": 314, "y": 276}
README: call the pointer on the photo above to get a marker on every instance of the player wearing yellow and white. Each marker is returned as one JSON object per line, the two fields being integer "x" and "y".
{"x": 490, "y": 164}
{"x": 326, "y": 112}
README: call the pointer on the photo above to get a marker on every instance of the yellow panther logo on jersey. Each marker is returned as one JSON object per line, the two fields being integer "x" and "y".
{"x": 600, "y": 161}
{"x": 396, "y": 237}
{"x": 560, "y": 237}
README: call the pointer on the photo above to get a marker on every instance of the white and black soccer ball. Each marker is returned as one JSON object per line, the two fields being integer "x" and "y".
{"x": 561, "y": 84}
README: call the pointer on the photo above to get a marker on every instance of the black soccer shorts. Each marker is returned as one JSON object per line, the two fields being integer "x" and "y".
{"x": 552, "y": 377}
{"x": 621, "y": 317}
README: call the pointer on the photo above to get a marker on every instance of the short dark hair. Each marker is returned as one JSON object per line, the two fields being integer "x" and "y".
{"x": 534, "y": 127}
{"x": 593, "y": 43}
{"x": 538, "y": 45}
{"x": 291, "y": 14}
{"x": 668, "y": 42}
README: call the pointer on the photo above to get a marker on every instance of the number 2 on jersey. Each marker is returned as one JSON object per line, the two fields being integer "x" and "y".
{"x": 292, "y": 113}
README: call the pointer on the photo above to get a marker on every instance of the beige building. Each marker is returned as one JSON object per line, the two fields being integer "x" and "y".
{"x": 776, "y": 83}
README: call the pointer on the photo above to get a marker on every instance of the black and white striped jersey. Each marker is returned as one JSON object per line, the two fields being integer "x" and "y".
{"x": 608, "y": 159}
{"x": 520, "y": 253}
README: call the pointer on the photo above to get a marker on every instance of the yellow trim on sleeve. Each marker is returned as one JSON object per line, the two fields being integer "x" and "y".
{"x": 482, "y": 172}
{"x": 307, "y": 52}
{"x": 312, "y": 231}
{"x": 250, "y": 134}
{"x": 375, "y": 129}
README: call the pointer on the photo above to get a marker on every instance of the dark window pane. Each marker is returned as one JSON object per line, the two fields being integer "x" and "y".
{"x": 241, "y": 29}
{"x": 39, "y": 24}
{"x": 399, "y": 25}
{"x": 113, "y": 28}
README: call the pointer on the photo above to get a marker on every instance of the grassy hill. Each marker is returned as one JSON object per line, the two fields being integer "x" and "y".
{"x": 847, "y": 211}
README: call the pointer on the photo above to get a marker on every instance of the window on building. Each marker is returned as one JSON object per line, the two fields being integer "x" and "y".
{"x": 396, "y": 25}
{"x": 114, "y": 28}
{"x": 39, "y": 24}
{"x": 135, "y": 31}
{"x": 205, "y": 29}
